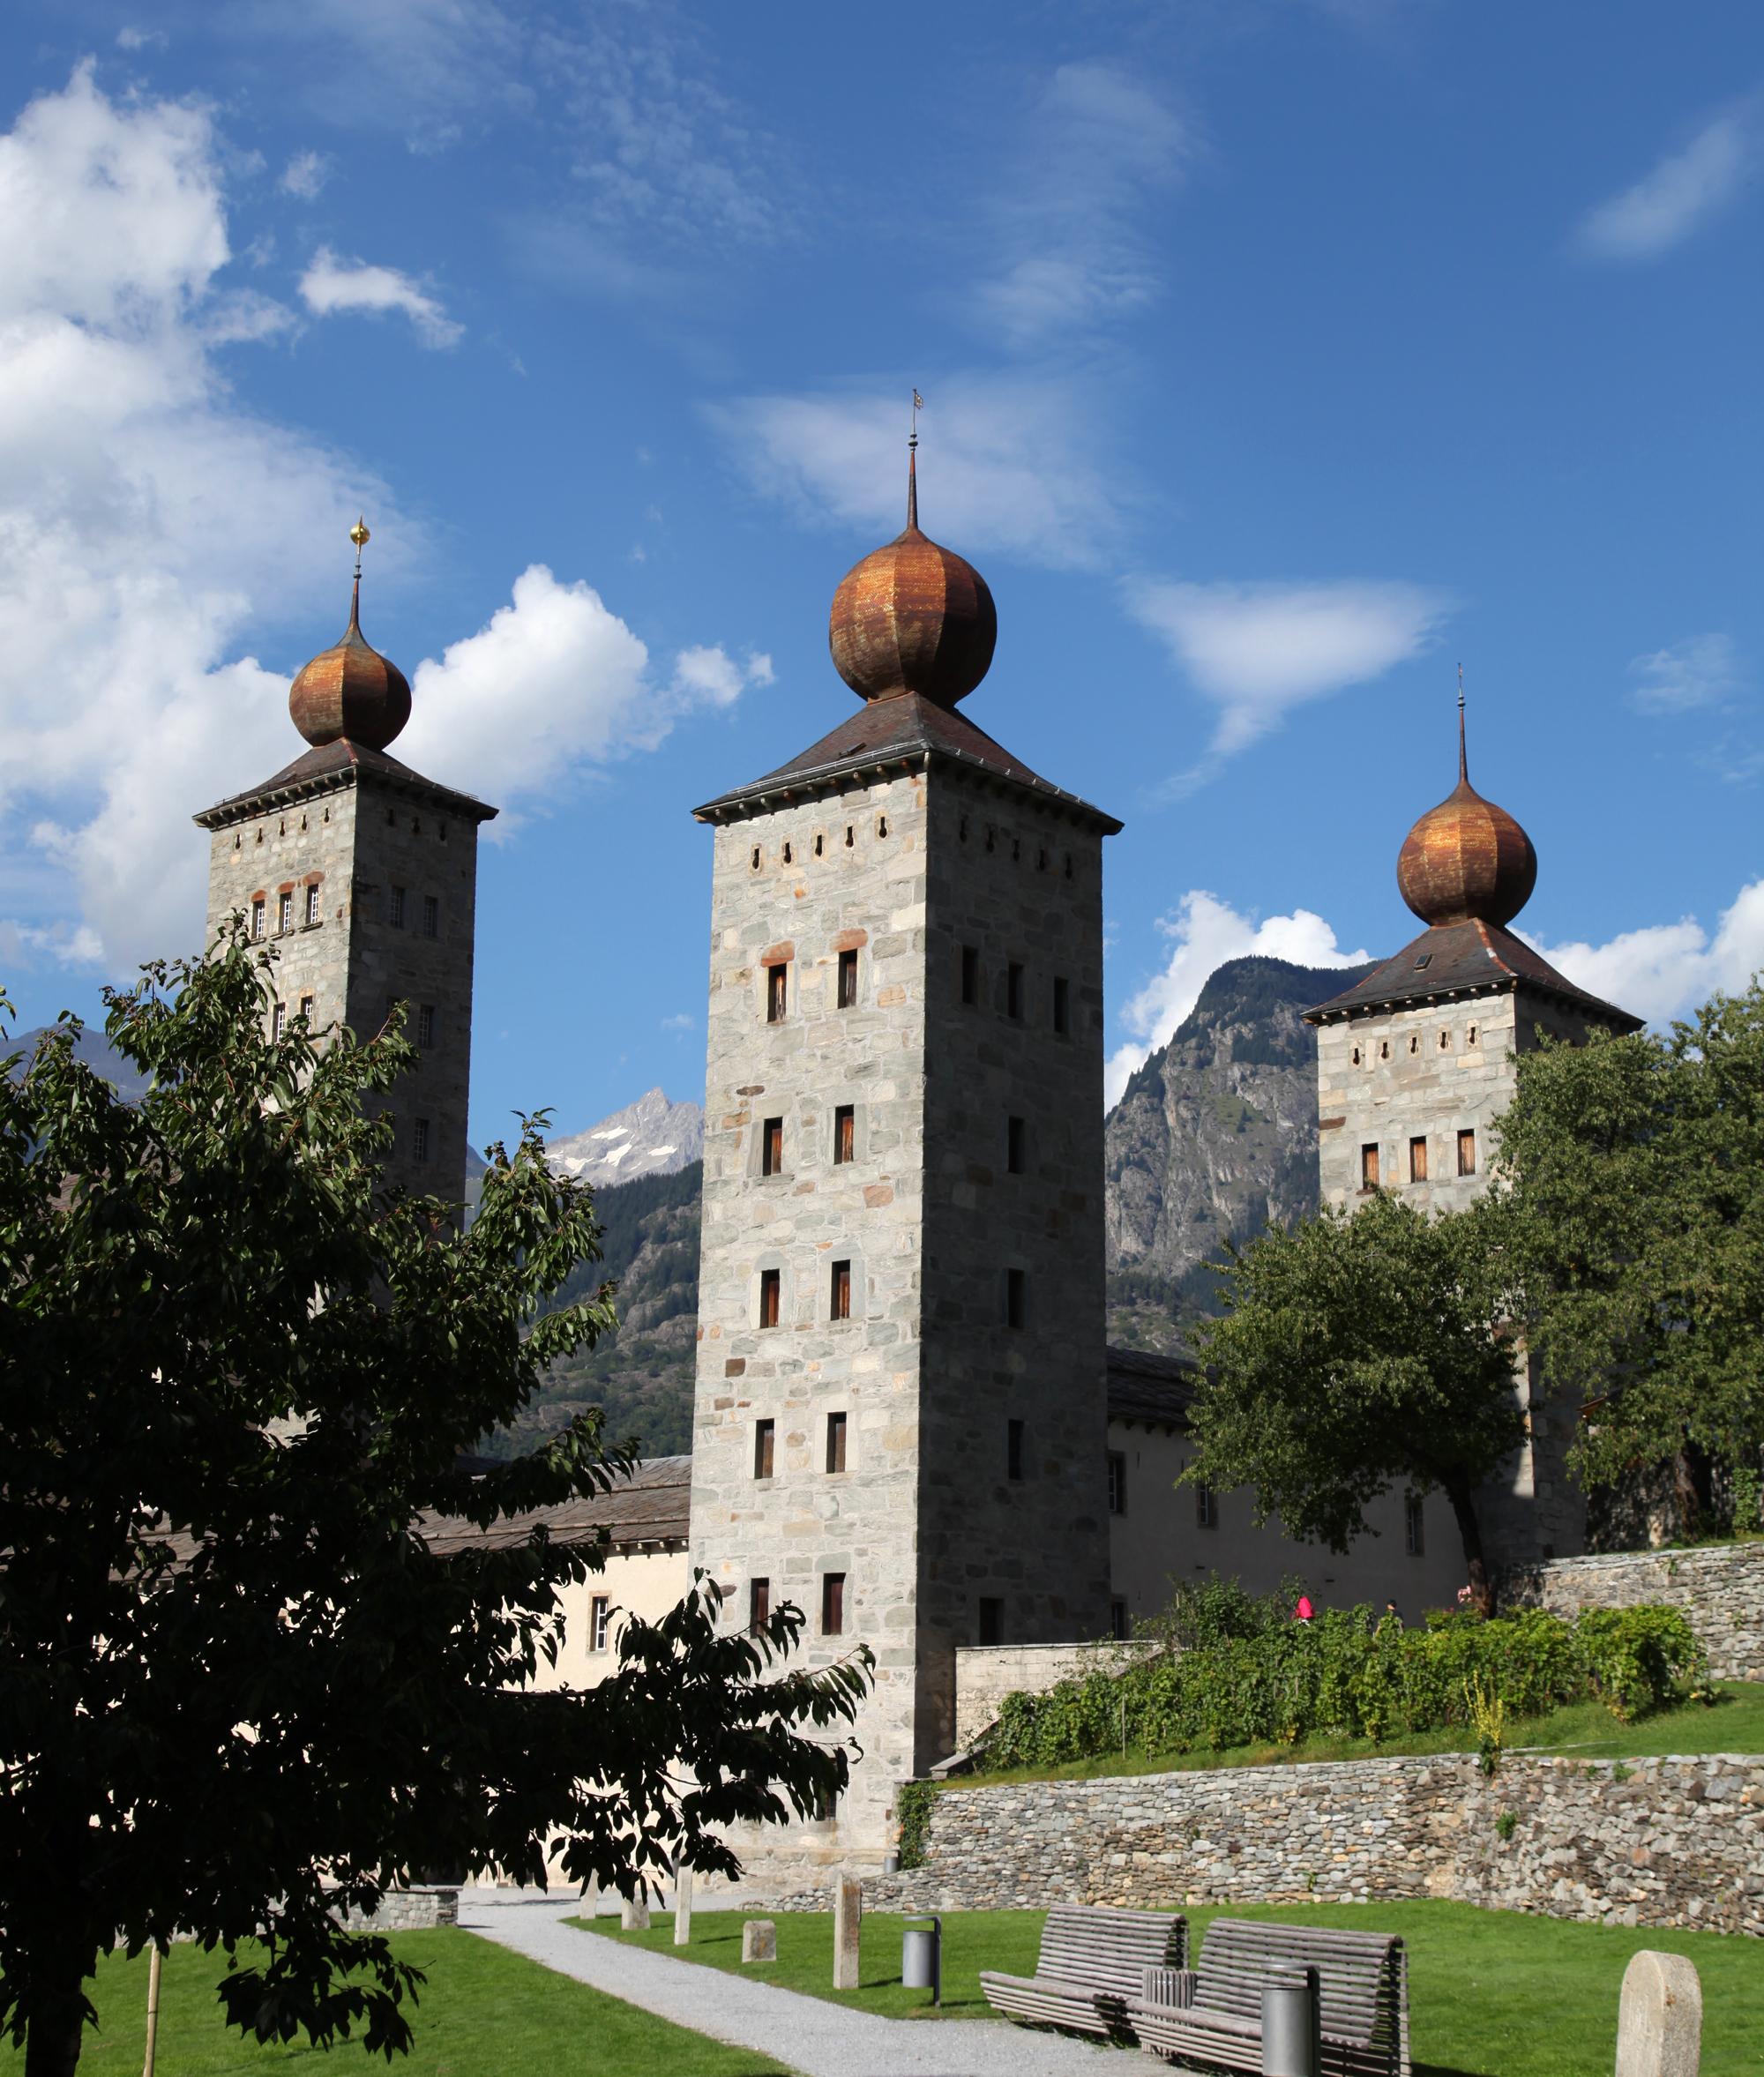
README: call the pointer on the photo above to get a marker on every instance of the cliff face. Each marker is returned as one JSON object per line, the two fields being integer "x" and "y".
{"x": 1215, "y": 1137}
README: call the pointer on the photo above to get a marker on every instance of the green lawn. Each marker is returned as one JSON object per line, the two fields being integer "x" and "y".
{"x": 1491, "y": 1993}
{"x": 484, "y": 2012}
{"x": 1733, "y": 1723}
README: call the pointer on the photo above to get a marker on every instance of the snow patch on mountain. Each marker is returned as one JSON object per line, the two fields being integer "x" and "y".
{"x": 651, "y": 1137}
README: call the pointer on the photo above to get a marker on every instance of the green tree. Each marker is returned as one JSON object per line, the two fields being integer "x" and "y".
{"x": 1637, "y": 1167}
{"x": 239, "y": 1691}
{"x": 1357, "y": 1352}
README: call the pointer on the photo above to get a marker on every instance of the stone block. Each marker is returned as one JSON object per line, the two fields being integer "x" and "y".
{"x": 634, "y": 1916}
{"x": 683, "y": 1905}
{"x": 759, "y": 1939}
{"x": 1660, "y": 2017}
{"x": 848, "y": 1918}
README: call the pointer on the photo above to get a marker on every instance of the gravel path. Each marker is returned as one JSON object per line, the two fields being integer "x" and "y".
{"x": 811, "y": 2034}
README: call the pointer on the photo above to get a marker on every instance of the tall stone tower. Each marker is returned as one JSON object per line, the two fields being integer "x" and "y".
{"x": 901, "y": 1419}
{"x": 362, "y": 875}
{"x": 1415, "y": 1064}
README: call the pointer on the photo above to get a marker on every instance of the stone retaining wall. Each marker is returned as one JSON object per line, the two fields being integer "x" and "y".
{"x": 1721, "y": 1588}
{"x": 413, "y": 1910}
{"x": 1674, "y": 1841}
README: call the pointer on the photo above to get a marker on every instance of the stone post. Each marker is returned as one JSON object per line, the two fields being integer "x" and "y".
{"x": 1660, "y": 2017}
{"x": 634, "y": 1917}
{"x": 759, "y": 1939}
{"x": 847, "y": 1917}
{"x": 683, "y": 1905}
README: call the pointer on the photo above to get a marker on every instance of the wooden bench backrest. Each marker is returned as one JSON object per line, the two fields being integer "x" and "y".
{"x": 1106, "y": 1950}
{"x": 1359, "y": 1974}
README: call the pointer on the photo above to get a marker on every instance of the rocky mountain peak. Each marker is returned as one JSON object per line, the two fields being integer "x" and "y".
{"x": 651, "y": 1137}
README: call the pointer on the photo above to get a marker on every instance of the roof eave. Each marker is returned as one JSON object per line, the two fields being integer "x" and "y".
{"x": 309, "y": 785}
{"x": 764, "y": 794}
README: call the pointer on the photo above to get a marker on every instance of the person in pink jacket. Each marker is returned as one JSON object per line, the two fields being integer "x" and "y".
{"x": 1304, "y": 1612}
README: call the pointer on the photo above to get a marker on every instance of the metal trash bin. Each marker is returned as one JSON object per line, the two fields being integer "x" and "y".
{"x": 1292, "y": 2033}
{"x": 921, "y": 1958}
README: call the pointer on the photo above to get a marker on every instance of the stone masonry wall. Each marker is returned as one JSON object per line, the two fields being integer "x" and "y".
{"x": 1721, "y": 1588}
{"x": 985, "y": 1674}
{"x": 1675, "y": 1842}
{"x": 357, "y": 844}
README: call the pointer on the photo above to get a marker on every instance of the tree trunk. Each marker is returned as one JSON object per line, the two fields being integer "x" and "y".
{"x": 1471, "y": 1531}
{"x": 1693, "y": 1484}
{"x": 53, "y": 2042}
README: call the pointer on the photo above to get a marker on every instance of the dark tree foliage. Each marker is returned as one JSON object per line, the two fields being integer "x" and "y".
{"x": 239, "y": 1691}
{"x": 1358, "y": 1352}
{"x": 1637, "y": 1167}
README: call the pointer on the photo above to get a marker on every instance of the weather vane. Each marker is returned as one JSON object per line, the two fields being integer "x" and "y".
{"x": 360, "y": 536}
{"x": 1460, "y": 686}
{"x": 918, "y": 405}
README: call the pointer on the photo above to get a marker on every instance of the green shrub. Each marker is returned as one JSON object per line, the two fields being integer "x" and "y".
{"x": 1250, "y": 1675}
{"x": 913, "y": 1802}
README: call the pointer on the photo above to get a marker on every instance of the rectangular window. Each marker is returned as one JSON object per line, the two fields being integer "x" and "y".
{"x": 847, "y": 979}
{"x": 1013, "y": 1297}
{"x": 256, "y": 920}
{"x": 838, "y": 1296}
{"x": 419, "y": 1140}
{"x": 284, "y": 914}
{"x": 765, "y": 1447}
{"x": 777, "y": 993}
{"x": 1418, "y": 1161}
{"x": 1062, "y": 1005}
{"x": 844, "y": 1133}
{"x": 832, "y": 1604}
{"x": 991, "y": 1619}
{"x": 1119, "y": 1628}
{"x": 1467, "y": 1153}
{"x": 1013, "y": 990}
{"x": 769, "y": 1293}
{"x": 835, "y": 1442}
{"x": 306, "y": 1009}
{"x": 277, "y": 1020}
{"x": 1117, "y": 1483}
{"x": 758, "y": 1603}
{"x": 1014, "y": 1449}
{"x": 395, "y": 908}
{"x": 425, "y": 1024}
{"x": 771, "y": 1146}
{"x": 970, "y": 974}
{"x": 431, "y": 915}
{"x": 600, "y": 1620}
{"x": 313, "y": 905}
{"x": 1414, "y": 1529}
{"x": 1013, "y": 1146}
{"x": 1206, "y": 1507}
{"x": 1369, "y": 1166}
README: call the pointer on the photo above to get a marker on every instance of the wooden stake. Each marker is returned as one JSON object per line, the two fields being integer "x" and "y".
{"x": 153, "y": 2009}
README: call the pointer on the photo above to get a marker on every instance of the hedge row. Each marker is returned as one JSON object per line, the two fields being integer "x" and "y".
{"x": 1347, "y": 1675}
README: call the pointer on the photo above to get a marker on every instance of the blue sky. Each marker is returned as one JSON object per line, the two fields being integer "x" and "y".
{"x": 1276, "y": 357}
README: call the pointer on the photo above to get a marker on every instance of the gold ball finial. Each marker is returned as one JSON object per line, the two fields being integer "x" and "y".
{"x": 360, "y": 536}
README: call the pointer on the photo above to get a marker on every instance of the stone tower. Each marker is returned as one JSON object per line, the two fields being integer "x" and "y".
{"x": 362, "y": 875}
{"x": 1416, "y": 1062}
{"x": 901, "y": 1415}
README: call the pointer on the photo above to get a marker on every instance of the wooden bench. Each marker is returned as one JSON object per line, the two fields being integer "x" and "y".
{"x": 1211, "y": 2016}
{"x": 1091, "y": 1967}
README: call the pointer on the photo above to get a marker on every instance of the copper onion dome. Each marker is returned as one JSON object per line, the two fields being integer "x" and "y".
{"x": 350, "y": 689}
{"x": 1466, "y": 859}
{"x": 913, "y": 618}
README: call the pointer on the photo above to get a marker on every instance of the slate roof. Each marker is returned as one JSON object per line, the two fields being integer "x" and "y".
{"x": 886, "y": 731}
{"x": 1156, "y": 1390}
{"x": 646, "y": 1512}
{"x": 1463, "y": 959}
{"x": 328, "y": 766}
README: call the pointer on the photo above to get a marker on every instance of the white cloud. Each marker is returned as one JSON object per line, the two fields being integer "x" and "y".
{"x": 1203, "y": 933}
{"x": 1665, "y": 970}
{"x": 29, "y": 945}
{"x": 1071, "y": 226}
{"x": 1676, "y": 196}
{"x": 1009, "y": 463}
{"x": 1699, "y": 671}
{"x": 1256, "y": 650}
{"x": 330, "y": 284}
{"x": 131, "y": 38}
{"x": 305, "y": 174}
{"x": 554, "y": 680}
{"x": 680, "y": 1021}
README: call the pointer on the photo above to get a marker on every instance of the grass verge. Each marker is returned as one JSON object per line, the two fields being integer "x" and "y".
{"x": 1734, "y": 1723}
{"x": 484, "y": 2012}
{"x": 1491, "y": 1993}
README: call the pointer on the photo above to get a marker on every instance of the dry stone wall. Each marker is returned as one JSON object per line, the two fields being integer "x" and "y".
{"x": 1721, "y": 1589}
{"x": 1672, "y": 1841}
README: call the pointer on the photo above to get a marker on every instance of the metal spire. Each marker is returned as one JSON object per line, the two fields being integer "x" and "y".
{"x": 1463, "y": 764}
{"x": 913, "y": 465}
{"x": 360, "y": 536}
